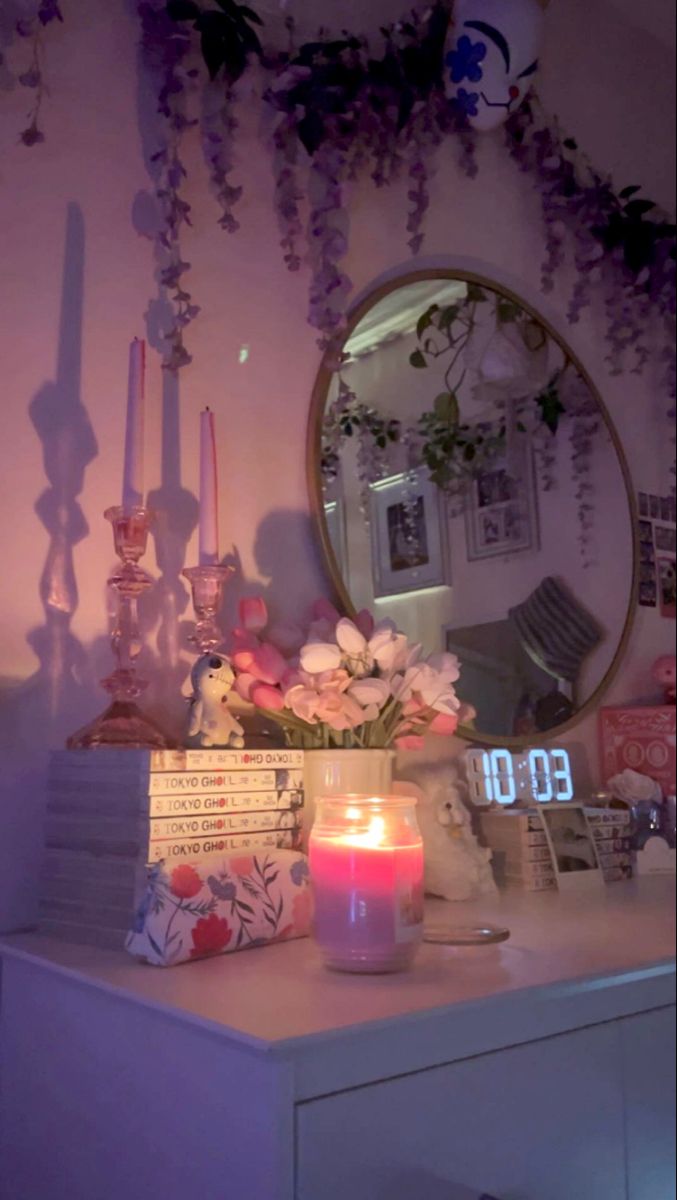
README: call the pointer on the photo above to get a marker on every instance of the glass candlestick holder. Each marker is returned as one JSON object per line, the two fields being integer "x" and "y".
{"x": 207, "y": 583}
{"x": 123, "y": 723}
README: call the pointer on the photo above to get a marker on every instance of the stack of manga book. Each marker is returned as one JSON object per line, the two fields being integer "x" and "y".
{"x": 113, "y": 813}
{"x": 521, "y": 855}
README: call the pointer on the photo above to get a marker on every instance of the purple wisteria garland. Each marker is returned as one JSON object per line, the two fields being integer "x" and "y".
{"x": 166, "y": 51}
{"x": 29, "y": 31}
{"x": 339, "y": 110}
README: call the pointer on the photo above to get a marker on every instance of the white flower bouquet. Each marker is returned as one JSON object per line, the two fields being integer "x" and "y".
{"x": 343, "y": 684}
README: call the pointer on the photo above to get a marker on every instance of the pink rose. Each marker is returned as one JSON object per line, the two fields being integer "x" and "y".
{"x": 267, "y": 664}
{"x": 410, "y": 742}
{"x": 244, "y": 647}
{"x": 243, "y": 685}
{"x": 444, "y": 723}
{"x": 265, "y": 696}
{"x": 253, "y": 614}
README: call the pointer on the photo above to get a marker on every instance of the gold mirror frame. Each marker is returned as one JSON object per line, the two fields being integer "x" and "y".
{"x": 313, "y": 450}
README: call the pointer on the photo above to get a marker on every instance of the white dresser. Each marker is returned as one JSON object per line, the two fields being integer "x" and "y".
{"x": 540, "y": 1069}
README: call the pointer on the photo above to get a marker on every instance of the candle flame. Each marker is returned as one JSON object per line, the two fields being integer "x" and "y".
{"x": 376, "y": 832}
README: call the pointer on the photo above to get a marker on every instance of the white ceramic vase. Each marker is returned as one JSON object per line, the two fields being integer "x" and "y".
{"x": 342, "y": 773}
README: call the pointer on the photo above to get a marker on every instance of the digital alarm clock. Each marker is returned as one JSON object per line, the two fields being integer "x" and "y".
{"x": 539, "y": 776}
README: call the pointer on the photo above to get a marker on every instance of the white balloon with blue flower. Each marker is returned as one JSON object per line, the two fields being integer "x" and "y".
{"x": 491, "y": 58}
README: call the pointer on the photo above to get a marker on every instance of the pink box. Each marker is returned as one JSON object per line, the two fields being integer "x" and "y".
{"x": 642, "y": 739}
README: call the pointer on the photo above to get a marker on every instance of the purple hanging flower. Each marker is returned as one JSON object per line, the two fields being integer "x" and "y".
{"x": 465, "y": 60}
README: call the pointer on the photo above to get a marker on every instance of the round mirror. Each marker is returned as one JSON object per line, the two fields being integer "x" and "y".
{"x": 467, "y": 482}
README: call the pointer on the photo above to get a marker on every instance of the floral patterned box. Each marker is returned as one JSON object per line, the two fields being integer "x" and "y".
{"x": 219, "y": 904}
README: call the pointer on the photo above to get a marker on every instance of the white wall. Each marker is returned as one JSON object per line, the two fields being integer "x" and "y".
{"x": 64, "y": 374}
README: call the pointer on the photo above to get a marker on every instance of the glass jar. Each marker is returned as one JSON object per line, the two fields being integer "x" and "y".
{"x": 366, "y": 870}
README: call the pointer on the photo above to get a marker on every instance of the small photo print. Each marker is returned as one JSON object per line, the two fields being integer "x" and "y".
{"x": 492, "y": 527}
{"x": 647, "y": 572}
{"x": 654, "y": 507}
{"x": 667, "y": 583}
{"x": 495, "y": 487}
{"x": 647, "y": 554}
{"x": 407, "y": 536}
{"x": 643, "y": 504}
{"x": 571, "y": 841}
{"x": 667, "y": 509}
{"x": 665, "y": 537}
{"x": 646, "y": 533}
{"x": 648, "y": 594}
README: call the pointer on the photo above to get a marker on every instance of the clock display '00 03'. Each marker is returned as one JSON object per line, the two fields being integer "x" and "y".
{"x": 497, "y": 776}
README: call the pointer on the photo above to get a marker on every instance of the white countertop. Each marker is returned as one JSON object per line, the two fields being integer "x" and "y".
{"x": 282, "y": 992}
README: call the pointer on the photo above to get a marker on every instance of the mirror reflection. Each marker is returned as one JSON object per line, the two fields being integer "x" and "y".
{"x": 471, "y": 487}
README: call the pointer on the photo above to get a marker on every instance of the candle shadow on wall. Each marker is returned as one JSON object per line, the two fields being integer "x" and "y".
{"x": 283, "y": 538}
{"x": 176, "y": 508}
{"x": 40, "y": 712}
{"x": 176, "y": 512}
{"x": 62, "y": 423}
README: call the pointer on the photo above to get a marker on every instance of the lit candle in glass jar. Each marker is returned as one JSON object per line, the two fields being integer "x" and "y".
{"x": 366, "y": 869}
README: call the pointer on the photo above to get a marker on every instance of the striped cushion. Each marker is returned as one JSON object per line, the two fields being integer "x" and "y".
{"x": 555, "y": 630}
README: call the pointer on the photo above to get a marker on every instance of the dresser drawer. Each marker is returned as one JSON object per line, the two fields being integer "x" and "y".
{"x": 538, "y": 1122}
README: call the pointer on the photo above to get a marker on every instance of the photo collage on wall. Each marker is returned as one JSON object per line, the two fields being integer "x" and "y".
{"x": 657, "y": 553}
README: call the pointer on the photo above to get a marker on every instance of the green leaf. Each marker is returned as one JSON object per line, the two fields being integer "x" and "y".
{"x": 637, "y": 208}
{"x": 250, "y": 15}
{"x": 551, "y": 408}
{"x": 448, "y": 316}
{"x": 183, "y": 10}
{"x": 446, "y": 407}
{"x": 506, "y": 311}
{"x": 213, "y": 52}
{"x": 425, "y": 320}
{"x": 417, "y": 359}
{"x": 476, "y": 294}
{"x": 629, "y": 191}
{"x": 469, "y": 452}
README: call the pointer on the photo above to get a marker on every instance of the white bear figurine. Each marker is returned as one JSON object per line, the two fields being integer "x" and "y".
{"x": 210, "y": 722}
{"x": 456, "y": 866}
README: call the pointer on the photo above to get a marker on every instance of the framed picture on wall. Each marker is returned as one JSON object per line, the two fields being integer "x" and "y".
{"x": 667, "y": 584}
{"x": 501, "y": 515}
{"x": 408, "y": 538}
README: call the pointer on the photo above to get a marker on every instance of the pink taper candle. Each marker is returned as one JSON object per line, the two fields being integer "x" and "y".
{"x": 132, "y": 475}
{"x": 209, "y": 521}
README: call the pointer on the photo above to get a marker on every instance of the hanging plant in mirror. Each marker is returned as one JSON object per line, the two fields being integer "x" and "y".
{"x": 347, "y": 417}
{"x": 463, "y": 468}
{"x": 518, "y": 387}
